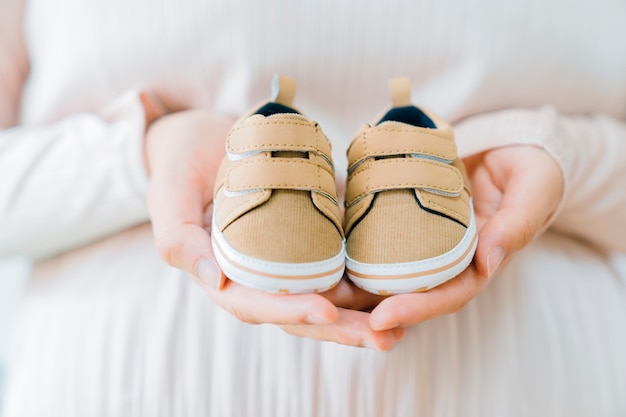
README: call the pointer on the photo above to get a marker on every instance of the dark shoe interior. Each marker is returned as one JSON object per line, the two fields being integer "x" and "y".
{"x": 274, "y": 108}
{"x": 410, "y": 115}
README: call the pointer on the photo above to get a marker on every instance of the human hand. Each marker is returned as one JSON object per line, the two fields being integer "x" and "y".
{"x": 515, "y": 191}
{"x": 183, "y": 152}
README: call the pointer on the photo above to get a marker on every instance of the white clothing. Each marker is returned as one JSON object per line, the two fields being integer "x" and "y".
{"x": 107, "y": 329}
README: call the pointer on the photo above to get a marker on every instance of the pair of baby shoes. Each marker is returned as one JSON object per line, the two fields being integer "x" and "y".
{"x": 409, "y": 223}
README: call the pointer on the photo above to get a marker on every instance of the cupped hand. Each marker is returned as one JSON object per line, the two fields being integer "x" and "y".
{"x": 183, "y": 152}
{"x": 515, "y": 191}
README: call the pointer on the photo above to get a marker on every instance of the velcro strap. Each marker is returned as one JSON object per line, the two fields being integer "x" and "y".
{"x": 281, "y": 173}
{"x": 384, "y": 140}
{"x": 278, "y": 135}
{"x": 401, "y": 173}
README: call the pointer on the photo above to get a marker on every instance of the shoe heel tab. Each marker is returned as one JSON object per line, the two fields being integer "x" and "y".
{"x": 400, "y": 92}
{"x": 283, "y": 90}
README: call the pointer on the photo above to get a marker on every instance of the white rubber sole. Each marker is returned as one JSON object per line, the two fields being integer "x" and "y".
{"x": 406, "y": 277}
{"x": 277, "y": 277}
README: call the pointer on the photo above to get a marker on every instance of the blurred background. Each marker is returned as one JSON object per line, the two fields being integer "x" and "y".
{"x": 13, "y": 273}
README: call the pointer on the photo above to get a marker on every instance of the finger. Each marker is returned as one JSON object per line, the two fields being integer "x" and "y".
{"x": 153, "y": 107}
{"x": 188, "y": 247}
{"x": 530, "y": 195}
{"x": 184, "y": 156}
{"x": 186, "y": 142}
{"x": 255, "y": 306}
{"x": 177, "y": 213}
{"x": 410, "y": 309}
{"x": 352, "y": 328}
{"x": 347, "y": 295}
{"x": 471, "y": 162}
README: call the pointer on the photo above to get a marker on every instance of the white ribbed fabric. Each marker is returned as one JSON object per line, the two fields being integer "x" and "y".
{"x": 101, "y": 334}
{"x": 107, "y": 329}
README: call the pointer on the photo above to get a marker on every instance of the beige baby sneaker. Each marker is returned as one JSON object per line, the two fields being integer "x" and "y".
{"x": 409, "y": 220}
{"x": 276, "y": 222}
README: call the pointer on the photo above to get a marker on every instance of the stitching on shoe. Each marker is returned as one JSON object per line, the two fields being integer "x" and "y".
{"x": 251, "y": 147}
{"x": 317, "y": 137}
{"x": 444, "y": 209}
{"x": 330, "y": 210}
{"x": 365, "y": 143}
{"x": 365, "y": 154}
{"x": 280, "y": 146}
{"x": 271, "y": 123}
{"x": 319, "y": 179}
{"x": 403, "y": 151}
{"x": 332, "y": 192}
{"x": 417, "y": 131}
{"x": 368, "y": 188}
{"x": 366, "y": 170}
{"x": 355, "y": 218}
{"x": 229, "y": 219}
{"x": 283, "y": 161}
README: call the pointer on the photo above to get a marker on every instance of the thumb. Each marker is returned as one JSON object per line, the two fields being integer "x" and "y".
{"x": 508, "y": 231}
{"x": 183, "y": 159}
{"x": 185, "y": 244}
{"x": 531, "y": 192}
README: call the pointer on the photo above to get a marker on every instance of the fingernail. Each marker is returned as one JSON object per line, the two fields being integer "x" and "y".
{"x": 383, "y": 326}
{"x": 316, "y": 319}
{"x": 368, "y": 344}
{"x": 494, "y": 259}
{"x": 208, "y": 272}
{"x": 398, "y": 333}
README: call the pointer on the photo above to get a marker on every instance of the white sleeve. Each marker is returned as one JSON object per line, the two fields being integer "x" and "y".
{"x": 591, "y": 151}
{"x": 73, "y": 182}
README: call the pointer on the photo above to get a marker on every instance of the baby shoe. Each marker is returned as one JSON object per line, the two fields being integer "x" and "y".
{"x": 409, "y": 219}
{"x": 276, "y": 221}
